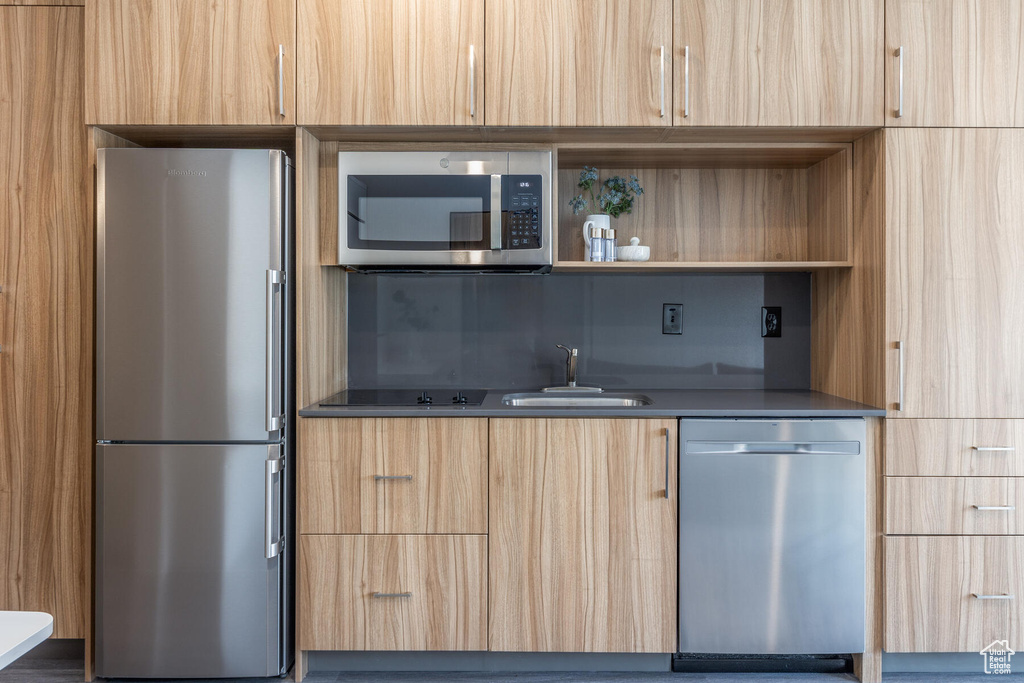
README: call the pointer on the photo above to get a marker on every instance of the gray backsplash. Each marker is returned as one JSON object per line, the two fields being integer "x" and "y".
{"x": 500, "y": 330}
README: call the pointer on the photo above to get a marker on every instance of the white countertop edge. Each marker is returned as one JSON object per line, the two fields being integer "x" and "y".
{"x": 20, "y": 632}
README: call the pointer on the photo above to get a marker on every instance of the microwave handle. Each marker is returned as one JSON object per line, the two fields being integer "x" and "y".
{"x": 495, "y": 212}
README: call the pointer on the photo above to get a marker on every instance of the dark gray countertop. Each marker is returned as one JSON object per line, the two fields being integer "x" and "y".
{"x": 666, "y": 403}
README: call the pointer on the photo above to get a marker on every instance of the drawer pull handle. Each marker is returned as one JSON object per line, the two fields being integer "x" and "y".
{"x": 388, "y": 477}
{"x": 1002, "y": 596}
{"x": 392, "y": 595}
{"x": 1007, "y": 508}
{"x": 994, "y": 449}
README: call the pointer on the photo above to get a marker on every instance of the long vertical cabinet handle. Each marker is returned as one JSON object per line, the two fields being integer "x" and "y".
{"x": 686, "y": 80}
{"x": 662, "y": 59}
{"x": 899, "y": 104}
{"x": 280, "y": 80}
{"x": 275, "y": 278}
{"x": 668, "y": 457}
{"x": 899, "y": 377}
{"x": 274, "y": 465}
{"x": 472, "y": 81}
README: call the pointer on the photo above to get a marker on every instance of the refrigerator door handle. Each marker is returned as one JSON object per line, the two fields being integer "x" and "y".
{"x": 275, "y": 419}
{"x": 274, "y": 465}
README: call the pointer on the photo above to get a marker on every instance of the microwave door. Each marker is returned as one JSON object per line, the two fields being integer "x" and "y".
{"x": 410, "y": 213}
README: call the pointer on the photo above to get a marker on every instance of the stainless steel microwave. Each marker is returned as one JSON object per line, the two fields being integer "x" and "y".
{"x": 445, "y": 210}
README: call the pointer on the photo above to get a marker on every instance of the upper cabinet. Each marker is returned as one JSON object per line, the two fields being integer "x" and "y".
{"x": 954, "y": 63}
{"x": 778, "y": 63}
{"x": 391, "y": 62}
{"x": 954, "y": 245}
{"x": 198, "y": 62}
{"x": 571, "y": 63}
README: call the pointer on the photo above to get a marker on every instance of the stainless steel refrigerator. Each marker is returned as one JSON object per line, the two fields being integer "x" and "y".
{"x": 193, "y": 413}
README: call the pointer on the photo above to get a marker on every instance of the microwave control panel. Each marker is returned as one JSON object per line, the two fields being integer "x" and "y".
{"x": 521, "y": 212}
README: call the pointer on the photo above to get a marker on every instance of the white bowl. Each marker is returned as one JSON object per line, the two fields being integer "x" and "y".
{"x": 633, "y": 253}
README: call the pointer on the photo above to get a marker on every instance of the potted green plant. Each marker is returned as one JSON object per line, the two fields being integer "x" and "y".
{"x": 611, "y": 198}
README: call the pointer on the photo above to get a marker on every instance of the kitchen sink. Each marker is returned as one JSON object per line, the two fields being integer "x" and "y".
{"x": 568, "y": 400}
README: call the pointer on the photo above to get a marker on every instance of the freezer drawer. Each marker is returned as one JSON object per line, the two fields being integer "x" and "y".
{"x": 183, "y": 584}
{"x": 771, "y": 536}
{"x": 190, "y": 294}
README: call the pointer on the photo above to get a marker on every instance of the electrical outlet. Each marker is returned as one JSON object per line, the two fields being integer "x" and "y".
{"x": 671, "y": 318}
{"x": 771, "y": 321}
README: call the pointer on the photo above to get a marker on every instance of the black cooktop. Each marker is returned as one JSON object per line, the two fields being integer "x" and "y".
{"x": 405, "y": 397}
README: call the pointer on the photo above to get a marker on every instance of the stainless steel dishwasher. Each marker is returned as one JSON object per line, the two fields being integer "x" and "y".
{"x": 771, "y": 536}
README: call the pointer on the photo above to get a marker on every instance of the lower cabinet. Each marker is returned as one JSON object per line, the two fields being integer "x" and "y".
{"x": 953, "y": 593}
{"x": 582, "y": 554}
{"x": 379, "y": 592}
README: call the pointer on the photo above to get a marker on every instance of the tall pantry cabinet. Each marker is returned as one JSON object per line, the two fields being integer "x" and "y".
{"x": 954, "y": 352}
{"x": 46, "y": 284}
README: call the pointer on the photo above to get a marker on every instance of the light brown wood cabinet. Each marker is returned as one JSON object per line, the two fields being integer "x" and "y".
{"x": 954, "y": 246}
{"x": 46, "y": 284}
{"x": 990, "y": 506}
{"x": 778, "y": 63}
{"x": 391, "y": 62}
{"x": 954, "y": 448}
{"x": 949, "y": 593}
{"x": 570, "y": 63}
{"x": 954, "y": 63}
{"x": 423, "y": 592}
{"x": 393, "y": 476}
{"x": 190, "y": 62}
{"x": 583, "y": 538}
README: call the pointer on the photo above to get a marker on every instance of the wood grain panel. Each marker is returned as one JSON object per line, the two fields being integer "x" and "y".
{"x": 949, "y": 505}
{"x": 566, "y": 63}
{"x": 582, "y": 542}
{"x": 320, "y": 299}
{"x": 953, "y": 286}
{"x": 698, "y": 154}
{"x": 963, "y": 62}
{"x": 444, "y": 575}
{"x": 830, "y": 208}
{"x": 337, "y": 462}
{"x": 929, "y": 606}
{"x": 447, "y": 459}
{"x": 153, "y": 62}
{"x": 949, "y": 448}
{"x": 693, "y": 214}
{"x": 726, "y": 214}
{"x": 779, "y": 62}
{"x": 867, "y": 665}
{"x": 847, "y": 321}
{"x": 390, "y": 62}
{"x": 46, "y": 275}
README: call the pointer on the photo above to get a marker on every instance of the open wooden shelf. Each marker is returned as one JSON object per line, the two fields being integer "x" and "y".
{"x": 695, "y": 266}
{"x": 719, "y": 206}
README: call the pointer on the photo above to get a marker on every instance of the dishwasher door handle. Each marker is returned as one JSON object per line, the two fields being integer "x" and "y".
{"x": 772, "y": 448}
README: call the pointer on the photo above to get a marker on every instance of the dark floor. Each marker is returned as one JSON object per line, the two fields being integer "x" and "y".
{"x": 70, "y": 671}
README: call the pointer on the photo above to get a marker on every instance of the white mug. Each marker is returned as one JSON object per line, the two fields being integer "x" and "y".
{"x": 594, "y": 220}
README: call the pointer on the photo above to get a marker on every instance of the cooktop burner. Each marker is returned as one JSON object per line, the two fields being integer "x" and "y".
{"x": 406, "y": 397}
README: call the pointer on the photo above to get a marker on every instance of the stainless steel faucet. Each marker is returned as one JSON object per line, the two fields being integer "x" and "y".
{"x": 570, "y": 365}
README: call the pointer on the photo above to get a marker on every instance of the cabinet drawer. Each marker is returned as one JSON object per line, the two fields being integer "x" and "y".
{"x": 393, "y": 475}
{"x": 931, "y": 584}
{"x": 954, "y": 505}
{"x": 954, "y": 448}
{"x": 393, "y": 593}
